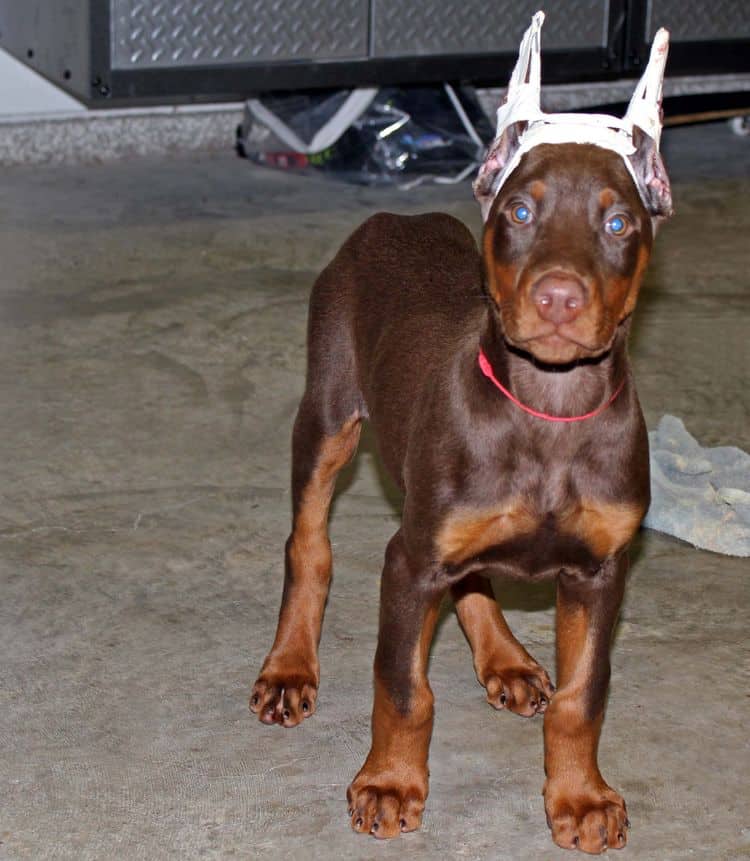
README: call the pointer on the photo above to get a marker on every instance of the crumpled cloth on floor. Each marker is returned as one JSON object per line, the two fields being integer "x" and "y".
{"x": 701, "y": 495}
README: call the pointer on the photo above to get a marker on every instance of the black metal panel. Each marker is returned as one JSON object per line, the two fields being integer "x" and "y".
{"x": 472, "y": 27}
{"x": 724, "y": 48}
{"x": 100, "y": 84}
{"x": 706, "y": 103}
{"x": 72, "y": 47}
{"x": 228, "y": 32}
{"x": 616, "y": 37}
{"x": 635, "y": 50}
{"x": 709, "y": 58}
{"x": 233, "y": 83}
{"x": 699, "y": 21}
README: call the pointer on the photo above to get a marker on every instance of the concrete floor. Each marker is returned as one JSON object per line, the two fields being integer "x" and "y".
{"x": 152, "y": 320}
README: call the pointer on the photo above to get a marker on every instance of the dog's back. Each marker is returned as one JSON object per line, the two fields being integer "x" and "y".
{"x": 391, "y": 312}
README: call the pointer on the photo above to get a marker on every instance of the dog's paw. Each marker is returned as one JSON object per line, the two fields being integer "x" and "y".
{"x": 285, "y": 698}
{"x": 590, "y": 820}
{"x": 525, "y": 690}
{"x": 384, "y": 810}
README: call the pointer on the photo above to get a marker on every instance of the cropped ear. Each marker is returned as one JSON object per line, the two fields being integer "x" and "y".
{"x": 500, "y": 153}
{"x": 520, "y": 105}
{"x": 651, "y": 175}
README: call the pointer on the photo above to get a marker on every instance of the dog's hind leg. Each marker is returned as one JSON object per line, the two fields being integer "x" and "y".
{"x": 287, "y": 686}
{"x": 326, "y": 433}
{"x": 512, "y": 678}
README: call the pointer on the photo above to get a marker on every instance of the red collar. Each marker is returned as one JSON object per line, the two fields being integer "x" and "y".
{"x": 486, "y": 369}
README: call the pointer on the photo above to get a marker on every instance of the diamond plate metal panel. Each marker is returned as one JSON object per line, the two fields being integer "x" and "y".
{"x": 151, "y": 33}
{"x": 698, "y": 21}
{"x": 477, "y": 26}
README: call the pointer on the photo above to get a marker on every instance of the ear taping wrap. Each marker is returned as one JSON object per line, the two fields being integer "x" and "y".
{"x": 522, "y": 125}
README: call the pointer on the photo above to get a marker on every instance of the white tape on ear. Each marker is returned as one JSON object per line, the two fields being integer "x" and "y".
{"x": 522, "y": 108}
{"x": 644, "y": 110}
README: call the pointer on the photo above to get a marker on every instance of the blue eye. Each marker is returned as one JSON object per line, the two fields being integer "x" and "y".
{"x": 617, "y": 225}
{"x": 520, "y": 214}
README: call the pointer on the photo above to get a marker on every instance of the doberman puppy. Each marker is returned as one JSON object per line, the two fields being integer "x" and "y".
{"x": 412, "y": 328}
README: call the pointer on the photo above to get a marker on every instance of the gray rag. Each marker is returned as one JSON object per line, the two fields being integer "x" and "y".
{"x": 701, "y": 495}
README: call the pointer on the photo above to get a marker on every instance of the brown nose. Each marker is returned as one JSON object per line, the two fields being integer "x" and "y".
{"x": 559, "y": 298}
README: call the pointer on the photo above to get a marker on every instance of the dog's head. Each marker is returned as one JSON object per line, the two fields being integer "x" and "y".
{"x": 566, "y": 244}
{"x": 571, "y": 202}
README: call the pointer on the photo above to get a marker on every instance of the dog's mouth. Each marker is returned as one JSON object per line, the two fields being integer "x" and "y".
{"x": 554, "y": 345}
{"x": 588, "y": 336}
{"x": 557, "y": 360}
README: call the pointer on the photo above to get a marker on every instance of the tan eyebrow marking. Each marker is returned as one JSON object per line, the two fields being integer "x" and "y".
{"x": 537, "y": 189}
{"x": 606, "y": 198}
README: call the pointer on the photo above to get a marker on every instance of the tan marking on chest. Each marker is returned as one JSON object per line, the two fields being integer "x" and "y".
{"x": 469, "y": 531}
{"x": 606, "y": 527}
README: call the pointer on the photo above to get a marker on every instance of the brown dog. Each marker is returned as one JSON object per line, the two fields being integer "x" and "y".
{"x": 398, "y": 322}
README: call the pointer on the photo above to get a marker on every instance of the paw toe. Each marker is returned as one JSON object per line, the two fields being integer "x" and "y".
{"x": 386, "y": 823}
{"x": 496, "y": 695}
{"x": 363, "y": 805}
{"x": 564, "y": 830}
{"x": 593, "y": 832}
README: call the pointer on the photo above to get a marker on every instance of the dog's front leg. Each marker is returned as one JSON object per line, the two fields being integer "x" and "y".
{"x": 582, "y": 810}
{"x": 388, "y": 794}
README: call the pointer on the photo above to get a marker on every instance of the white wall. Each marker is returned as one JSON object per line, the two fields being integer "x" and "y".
{"x": 23, "y": 91}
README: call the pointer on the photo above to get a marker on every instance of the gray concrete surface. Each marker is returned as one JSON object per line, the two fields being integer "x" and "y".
{"x": 152, "y": 318}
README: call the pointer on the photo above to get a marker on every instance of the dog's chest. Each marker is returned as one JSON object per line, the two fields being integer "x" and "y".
{"x": 550, "y": 521}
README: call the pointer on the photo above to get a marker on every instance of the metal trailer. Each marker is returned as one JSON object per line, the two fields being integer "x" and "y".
{"x": 111, "y": 53}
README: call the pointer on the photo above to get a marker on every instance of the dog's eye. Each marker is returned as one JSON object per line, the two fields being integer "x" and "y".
{"x": 520, "y": 213}
{"x": 617, "y": 225}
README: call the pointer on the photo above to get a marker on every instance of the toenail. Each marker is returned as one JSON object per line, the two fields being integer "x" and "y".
{"x": 256, "y": 699}
{"x": 305, "y": 706}
{"x": 287, "y": 714}
{"x": 359, "y": 822}
{"x": 375, "y": 826}
{"x": 350, "y": 811}
{"x": 620, "y": 837}
{"x": 575, "y": 842}
{"x": 402, "y": 824}
{"x": 627, "y": 823}
{"x": 503, "y": 699}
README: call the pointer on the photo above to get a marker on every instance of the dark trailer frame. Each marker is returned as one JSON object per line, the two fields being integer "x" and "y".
{"x": 111, "y": 53}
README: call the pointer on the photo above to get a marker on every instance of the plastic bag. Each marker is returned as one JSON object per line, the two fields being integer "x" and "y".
{"x": 369, "y": 136}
